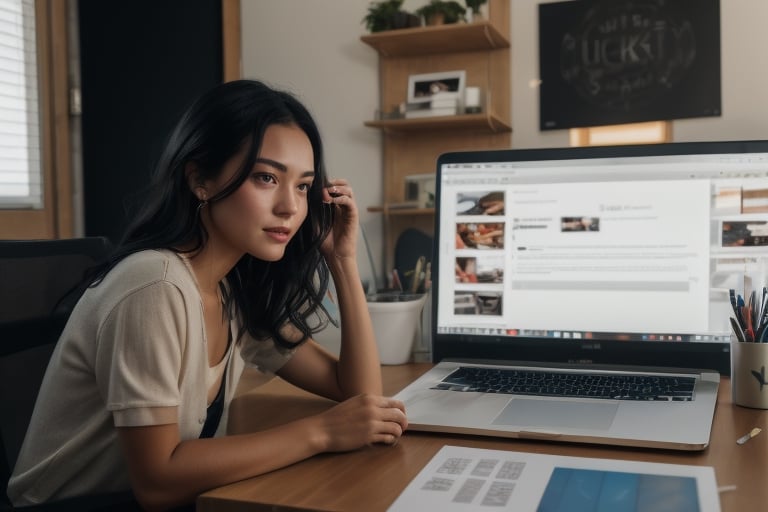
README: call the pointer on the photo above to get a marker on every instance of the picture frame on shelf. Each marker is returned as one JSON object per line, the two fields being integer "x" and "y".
{"x": 422, "y": 87}
{"x": 420, "y": 189}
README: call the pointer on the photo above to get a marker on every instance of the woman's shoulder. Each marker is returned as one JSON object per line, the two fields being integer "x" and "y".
{"x": 142, "y": 278}
{"x": 150, "y": 266}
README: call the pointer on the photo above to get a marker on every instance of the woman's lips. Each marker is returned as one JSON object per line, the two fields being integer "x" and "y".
{"x": 281, "y": 235}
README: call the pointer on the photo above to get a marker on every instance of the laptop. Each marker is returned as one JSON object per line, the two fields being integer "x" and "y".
{"x": 582, "y": 294}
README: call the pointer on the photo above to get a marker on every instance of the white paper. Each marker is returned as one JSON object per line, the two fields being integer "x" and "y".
{"x": 473, "y": 479}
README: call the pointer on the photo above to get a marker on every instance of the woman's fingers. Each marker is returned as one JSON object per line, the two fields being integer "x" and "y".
{"x": 336, "y": 189}
{"x": 394, "y": 422}
{"x": 388, "y": 439}
{"x": 364, "y": 420}
{"x": 395, "y": 413}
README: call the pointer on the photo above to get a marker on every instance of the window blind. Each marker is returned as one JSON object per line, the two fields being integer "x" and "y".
{"x": 20, "y": 149}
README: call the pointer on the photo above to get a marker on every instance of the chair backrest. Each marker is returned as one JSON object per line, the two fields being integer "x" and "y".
{"x": 35, "y": 275}
{"x": 411, "y": 244}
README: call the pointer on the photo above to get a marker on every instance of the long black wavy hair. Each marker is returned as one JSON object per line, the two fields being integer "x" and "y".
{"x": 230, "y": 117}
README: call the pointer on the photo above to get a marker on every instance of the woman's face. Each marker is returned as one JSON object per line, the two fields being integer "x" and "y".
{"x": 262, "y": 216}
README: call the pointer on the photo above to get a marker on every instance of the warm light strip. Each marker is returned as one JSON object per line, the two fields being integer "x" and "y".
{"x": 653, "y": 132}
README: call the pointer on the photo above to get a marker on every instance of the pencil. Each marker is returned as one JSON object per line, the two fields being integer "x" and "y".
{"x": 396, "y": 283}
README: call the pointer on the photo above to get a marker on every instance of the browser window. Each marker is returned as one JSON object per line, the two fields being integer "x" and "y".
{"x": 627, "y": 248}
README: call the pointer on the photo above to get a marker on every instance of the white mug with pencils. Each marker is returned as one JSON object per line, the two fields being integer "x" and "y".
{"x": 749, "y": 349}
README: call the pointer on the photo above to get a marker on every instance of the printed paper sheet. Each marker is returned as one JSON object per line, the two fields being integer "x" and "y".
{"x": 471, "y": 479}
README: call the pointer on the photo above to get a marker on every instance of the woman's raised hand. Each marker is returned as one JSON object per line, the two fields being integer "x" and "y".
{"x": 342, "y": 241}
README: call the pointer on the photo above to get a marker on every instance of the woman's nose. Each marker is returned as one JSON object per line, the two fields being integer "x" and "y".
{"x": 288, "y": 203}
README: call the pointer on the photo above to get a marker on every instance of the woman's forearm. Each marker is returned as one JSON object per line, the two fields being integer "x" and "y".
{"x": 167, "y": 472}
{"x": 358, "y": 370}
{"x": 177, "y": 477}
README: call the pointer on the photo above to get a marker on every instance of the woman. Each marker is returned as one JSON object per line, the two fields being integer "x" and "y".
{"x": 226, "y": 265}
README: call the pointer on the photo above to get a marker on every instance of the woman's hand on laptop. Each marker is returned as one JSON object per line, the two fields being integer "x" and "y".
{"x": 360, "y": 421}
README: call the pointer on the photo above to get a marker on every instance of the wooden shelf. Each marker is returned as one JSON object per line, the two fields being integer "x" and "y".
{"x": 401, "y": 211}
{"x": 487, "y": 122}
{"x": 413, "y": 145}
{"x": 455, "y": 37}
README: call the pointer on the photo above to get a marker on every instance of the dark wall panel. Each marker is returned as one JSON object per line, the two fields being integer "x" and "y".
{"x": 142, "y": 63}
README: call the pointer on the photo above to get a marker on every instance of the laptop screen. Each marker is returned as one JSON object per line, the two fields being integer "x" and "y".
{"x": 621, "y": 254}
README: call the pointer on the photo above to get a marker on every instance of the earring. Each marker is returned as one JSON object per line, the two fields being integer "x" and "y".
{"x": 203, "y": 202}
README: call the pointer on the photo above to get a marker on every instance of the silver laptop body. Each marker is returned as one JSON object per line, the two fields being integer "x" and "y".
{"x": 652, "y": 424}
{"x": 600, "y": 260}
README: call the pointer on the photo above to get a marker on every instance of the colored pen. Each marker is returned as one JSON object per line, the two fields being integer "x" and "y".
{"x": 416, "y": 280}
{"x": 396, "y": 280}
{"x": 749, "y": 332}
{"x": 732, "y": 297}
{"x": 754, "y": 312}
{"x": 762, "y": 321}
{"x": 740, "y": 309}
{"x": 737, "y": 330}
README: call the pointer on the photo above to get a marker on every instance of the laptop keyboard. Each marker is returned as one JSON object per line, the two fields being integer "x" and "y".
{"x": 563, "y": 384}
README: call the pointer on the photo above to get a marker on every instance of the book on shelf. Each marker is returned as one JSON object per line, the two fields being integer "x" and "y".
{"x": 440, "y": 104}
{"x": 431, "y": 112}
{"x": 443, "y": 104}
{"x": 443, "y": 100}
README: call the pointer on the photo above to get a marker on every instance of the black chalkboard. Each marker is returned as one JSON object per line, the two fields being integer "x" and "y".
{"x": 625, "y": 61}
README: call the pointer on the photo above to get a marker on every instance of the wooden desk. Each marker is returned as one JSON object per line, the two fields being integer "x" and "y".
{"x": 370, "y": 479}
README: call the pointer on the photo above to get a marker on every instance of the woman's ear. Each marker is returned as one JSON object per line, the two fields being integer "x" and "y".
{"x": 195, "y": 182}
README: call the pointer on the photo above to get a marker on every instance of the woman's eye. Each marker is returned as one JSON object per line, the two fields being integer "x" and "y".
{"x": 304, "y": 187}
{"x": 264, "y": 178}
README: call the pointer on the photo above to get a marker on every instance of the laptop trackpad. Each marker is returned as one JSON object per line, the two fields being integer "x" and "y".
{"x": 553, "y": 414}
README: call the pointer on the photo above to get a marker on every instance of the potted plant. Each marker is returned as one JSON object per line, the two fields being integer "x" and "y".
{"x": 388, "y": 15}
{"x": 474, "y": 8}
{"x": 437, "y": 12}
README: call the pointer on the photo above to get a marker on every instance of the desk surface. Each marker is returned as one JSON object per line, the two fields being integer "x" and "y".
{"x": 372, "y": 478}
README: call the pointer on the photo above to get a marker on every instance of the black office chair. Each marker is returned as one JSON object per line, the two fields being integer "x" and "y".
{"x": 34, "y": 277}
